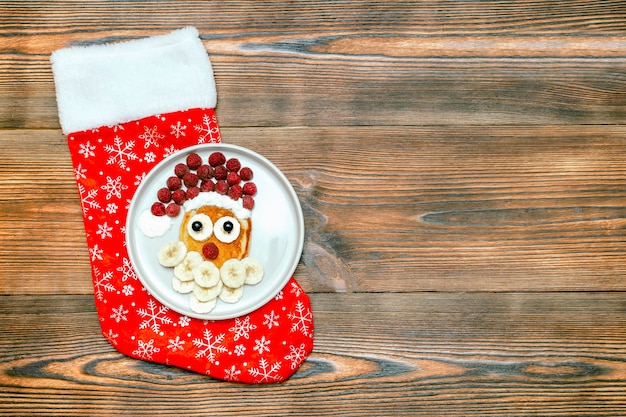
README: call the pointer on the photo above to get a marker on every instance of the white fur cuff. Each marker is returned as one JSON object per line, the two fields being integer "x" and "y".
{"x": 104, "y": 85}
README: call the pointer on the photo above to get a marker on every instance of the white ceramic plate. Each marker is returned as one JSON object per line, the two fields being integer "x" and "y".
{"x": 277, "y": 233}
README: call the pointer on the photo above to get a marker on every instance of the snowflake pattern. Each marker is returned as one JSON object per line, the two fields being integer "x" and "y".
{"x": 301, "y": 319}
{"x": 87, "y": 150}
{"x": 127, "y": 270}
{"x": 178, "y": 130}
{"x": 169, "y": 151}
{"x": 208, "y": 130}
{"x": 114, "y": 187}
{"x": 104, "y": 231}
{"x": 209, "y": 346}
{"x": 95, "y": 253}
{"x": 128, "y": 290}
{"x": 154, "y": 316}
{"x": 260, "y": 347}
{"x": 242, "y": 328}
{"x": 119, "y": 314}
{"x": 271, "y": 320}
{"x": 88, "y": 198}
{"x": 232, "y": 374}
{"x": 296, "y": 356}
{"x": 79, "y": 172}
{"x": 111, "y": 337}
{"x": 151, "y": 137}
{"x": 146, "y": 350}
{"x": 266, "y": 372}
{"x": 120, "y": 152}
{"x": 102, "y": 284}
{"x": 176, "y": 344}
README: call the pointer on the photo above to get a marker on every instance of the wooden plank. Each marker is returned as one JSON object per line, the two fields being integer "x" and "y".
{"x": 386, "y": 209}
{"x": 375, "y": 354}
{"x": 290, "y": 88}
{"x": 424, "y": 17}
{"x": 397, "y": 63}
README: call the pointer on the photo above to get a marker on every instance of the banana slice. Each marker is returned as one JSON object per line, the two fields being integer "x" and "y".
{"x": 233, "y": 273}
{"x": 183, "y": 287}
{"x": 206, "y": 274}
{"x": 231, "y": 295}
{"x": 202, "y": 307}
{"x": 172, "y": 253}
{"x": 184, "y": 270}
{"x": 254, "y": 270}
{"x": 206, "y": 294}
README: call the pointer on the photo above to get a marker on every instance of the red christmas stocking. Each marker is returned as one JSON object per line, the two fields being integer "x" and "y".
{"x": 126, "y": 107}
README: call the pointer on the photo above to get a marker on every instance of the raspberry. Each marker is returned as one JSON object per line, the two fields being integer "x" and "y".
{"x": 245, "y": 174}
{"x": 233, "y": 178}
{"x": 172, "y": 209}
{"x": 178, "y": 196}
{"x": 217, "y": 158}
{"x": 233, "y": 165}
{"x": 220, "y": 172}
{"x": 164, "y": 195}
{"x": 180, "y": 170}
{"x": 248, "y": 202}
{"x": 221, "y": 187}
{"x": 192, "y": 192}
{"x": 174, "y": 183}
{"x": 194, "y": 161}
{"x": 249, "y": 188}
{"x": 158, "y": 209}
{"x": 190, "y": 179}
{"x": 210, "y": 250}
{"x": 235, "y": 192}
{"x": 205, "y": 172}
{"x": 208, "y": 185}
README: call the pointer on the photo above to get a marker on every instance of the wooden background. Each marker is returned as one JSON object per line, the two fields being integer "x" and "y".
{"x": 461, "y": 167}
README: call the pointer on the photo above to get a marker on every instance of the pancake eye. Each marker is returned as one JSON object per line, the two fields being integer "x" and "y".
{"x": 200, "y": 227}
{"x": 227, "y": 229}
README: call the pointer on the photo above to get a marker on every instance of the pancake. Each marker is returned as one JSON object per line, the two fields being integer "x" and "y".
{"x": 237, "y": 249}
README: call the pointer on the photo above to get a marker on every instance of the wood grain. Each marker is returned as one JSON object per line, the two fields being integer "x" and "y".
{"x": 462, "y": 175}
{"x": 386, "y": 209}
{"x": 404, "y": 63}
{"x": 541, "y": 354}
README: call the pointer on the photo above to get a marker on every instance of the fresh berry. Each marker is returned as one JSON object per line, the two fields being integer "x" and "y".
{"x": 178, "y": 196}
{"x": 158, "y": 209}
{"x": 233, "y": 165}
{"x": 245, "y": 174}
{"x": 164, "y": 195}
{"x": 235, "y": 192}
{"x": 205, "y": 172}
{"x": 192, "y": 192}
{"x": 190, "y": 179}
{"x": 207, "y": 185}
{"x": 172, "y": 209}
{"x": 180, "y": 170}
{"x": 210, "y": 250}
{"x": 249, "y": 188}
{"x": 220, "y": 172}
{"x": 233, "y": 178}
{"x": 221, "y": 187}
{"x": 194, "y": 161}
{"x": 174, "y": 183}
{"x": 217, "y": 158}
{"x": 248, "y": 202}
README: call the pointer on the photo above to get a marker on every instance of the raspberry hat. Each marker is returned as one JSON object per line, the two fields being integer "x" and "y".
{"x": 124, "y": 108}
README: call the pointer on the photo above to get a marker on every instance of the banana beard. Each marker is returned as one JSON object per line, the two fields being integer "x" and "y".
{"x": 219, "y": 272}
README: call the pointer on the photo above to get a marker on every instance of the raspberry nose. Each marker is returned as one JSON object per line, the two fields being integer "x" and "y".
{"x": 210, "y": 250}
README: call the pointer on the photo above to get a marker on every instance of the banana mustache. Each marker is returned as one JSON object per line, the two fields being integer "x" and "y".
{"x": 203, "y": 280}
